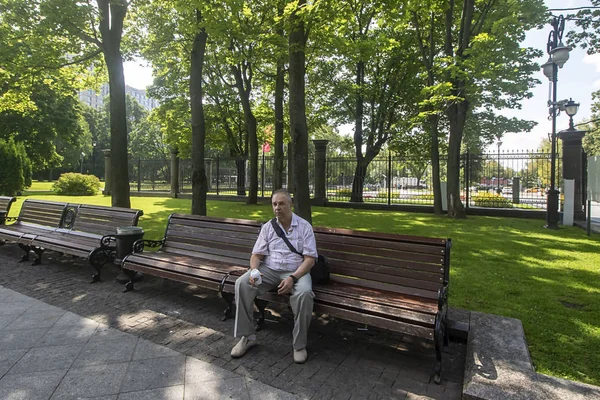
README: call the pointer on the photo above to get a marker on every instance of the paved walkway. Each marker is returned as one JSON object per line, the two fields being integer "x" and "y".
{"x": 49, "y": 353}
{"x": 61, "y": 337}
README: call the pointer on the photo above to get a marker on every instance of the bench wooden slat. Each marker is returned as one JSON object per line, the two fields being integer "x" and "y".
{"x": 379, "y": 235}
{"x": 212, "y": 285}
{"x": 429, "y": 294}
{"x": 165, "y": 261}
{"x": 376, "y": 309}
{"x": 175, "y": 232}
{"x": 381, "y": 249}
{"x": 379, "y": 322}
{"x": 351, "y": 269}
{"x": 329, "y": 240}
{"x": 211, "y": 257}
{"x": 386, "y": 278}
{"x": 342, "y": 258}
{"x": 399, "y": 300}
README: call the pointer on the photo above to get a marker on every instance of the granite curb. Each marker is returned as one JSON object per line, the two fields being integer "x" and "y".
{"x": 498, "y": 366}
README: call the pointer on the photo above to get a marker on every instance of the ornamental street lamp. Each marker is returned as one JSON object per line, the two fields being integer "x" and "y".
{"x": 558, "y": 55}
{"x": 571, "y": 109}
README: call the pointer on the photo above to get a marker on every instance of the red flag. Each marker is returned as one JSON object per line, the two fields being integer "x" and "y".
{"x": 266, "y": 147}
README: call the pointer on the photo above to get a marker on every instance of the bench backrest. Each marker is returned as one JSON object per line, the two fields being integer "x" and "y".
{"x": 5, "y": 203}
{"x": 218, "y": 239}
{"x": 411, "y": 265}
{"x": 102, "y": 220}
{"x": 42, "y": 212}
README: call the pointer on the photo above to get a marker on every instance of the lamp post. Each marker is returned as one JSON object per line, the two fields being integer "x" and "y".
{"x": 498, "y": 176}
{"x": 558, "y": 56}
{"x": 82, "y": 157}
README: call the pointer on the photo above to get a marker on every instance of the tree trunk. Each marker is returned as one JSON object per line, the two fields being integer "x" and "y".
{"x": 279, "y": 91}
{"x": 456, "y": 115}
{"x": 240, "y": 166}
{"x": 278, "y": 159}
{"x": 360, "y": 172}
{"x": 358, "y": 182}
{"x": 115, "y": 12}
{"x": 250, "y": 120}
{"x": 298, "y": 127}
{"x": 435, "y": 165}
{"x": 199, "y": 183}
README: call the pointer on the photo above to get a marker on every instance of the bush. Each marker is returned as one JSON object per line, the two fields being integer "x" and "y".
{"x": 15, "y": 168}
{"x": 491, "y": 200}
{"x": 74, "y": 184}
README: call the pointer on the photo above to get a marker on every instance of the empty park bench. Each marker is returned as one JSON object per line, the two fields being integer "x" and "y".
{"x": 35, "y": 218}
{"x": 394, "y": 282}
{"x": 5, "y": 203}
{"x": 204, "y": 251}
{"x": 86, "y": 231}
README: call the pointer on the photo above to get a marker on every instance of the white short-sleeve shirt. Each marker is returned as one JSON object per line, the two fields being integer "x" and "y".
{"x": 278, "y": 256}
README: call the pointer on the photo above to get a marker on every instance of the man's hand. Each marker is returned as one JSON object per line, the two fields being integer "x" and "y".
{"x": 285, "y": 286}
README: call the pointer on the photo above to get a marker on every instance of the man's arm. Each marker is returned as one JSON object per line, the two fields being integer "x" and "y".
{"x": 286, "y": 285}
{"x": 255, "y": 260}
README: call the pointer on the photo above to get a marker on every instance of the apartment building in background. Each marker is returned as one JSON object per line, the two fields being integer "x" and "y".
{"x": 96, "y": 100}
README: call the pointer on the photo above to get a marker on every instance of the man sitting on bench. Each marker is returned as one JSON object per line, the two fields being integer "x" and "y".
{"x": 279, "y": 268}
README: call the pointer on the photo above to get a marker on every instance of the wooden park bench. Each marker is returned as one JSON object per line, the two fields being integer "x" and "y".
{"x": 86, "y": 231}
{"x": 5, "y": 203}
{"x": 35, "y": 218}
{"x": 394, "y": 282}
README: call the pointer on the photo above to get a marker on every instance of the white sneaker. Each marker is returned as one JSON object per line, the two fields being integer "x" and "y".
{"x": 300, "y": 356}
{"x": 243, "y": 345}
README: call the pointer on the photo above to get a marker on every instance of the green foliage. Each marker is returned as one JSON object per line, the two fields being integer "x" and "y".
{"x": 15, "y": 168}
{"x": 491, "y": 200}
{"x": 74, "y": 184}
{"x": 591, "y": 140}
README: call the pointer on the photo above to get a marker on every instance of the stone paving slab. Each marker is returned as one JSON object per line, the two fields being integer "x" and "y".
{"x": 85, "y": 359}
{"x": 345, "y": 361}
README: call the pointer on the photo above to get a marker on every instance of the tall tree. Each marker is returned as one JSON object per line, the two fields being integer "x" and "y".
{"x": 175, "y": 38}
{"x": 298, "y": 127}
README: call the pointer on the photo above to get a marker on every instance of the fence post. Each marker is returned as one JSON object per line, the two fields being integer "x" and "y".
{"x": 262, "y": 173}
{"x": 572, "y": 166}
{"x": 389, "y": 178}
{"x": 218, "y": 175}
{"x": 107, "y": 173}
{"x": 467, "y": 178}
{"x": 139, "y": 177}
{"x": 320, "y": 172}
{"x": 174, "y": 172}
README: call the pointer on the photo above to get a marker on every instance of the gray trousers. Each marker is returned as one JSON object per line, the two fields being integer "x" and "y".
{"x": 301, "y": 301}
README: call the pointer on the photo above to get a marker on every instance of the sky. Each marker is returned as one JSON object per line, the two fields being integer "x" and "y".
{"x": 578, "y": 79}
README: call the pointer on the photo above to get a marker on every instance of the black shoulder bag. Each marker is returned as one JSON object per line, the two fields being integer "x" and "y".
{"x": 320, "y": 271}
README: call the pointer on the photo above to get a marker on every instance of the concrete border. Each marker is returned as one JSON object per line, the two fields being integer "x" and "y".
{"x": 498, "y": 365}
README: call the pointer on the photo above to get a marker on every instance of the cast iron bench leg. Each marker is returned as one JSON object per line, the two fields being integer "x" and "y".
{"x": 38, "y": 252}
{"x": 97, "y": 259}
{"x": 438, "y": 338}
{"x": 26, "y": 248}
{"x": 261, "y": 305}
{"x": 228, "y": 297}
{"x": 129, "y": 285}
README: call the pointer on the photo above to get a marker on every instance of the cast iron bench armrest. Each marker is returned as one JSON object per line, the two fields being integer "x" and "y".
{"x": 140, "y": 244}
{"x": 7, "y": 219}
{"x": 108, "y": 242}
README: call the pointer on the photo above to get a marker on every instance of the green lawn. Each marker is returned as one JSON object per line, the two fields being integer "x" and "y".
{"x": 548, "y": 279}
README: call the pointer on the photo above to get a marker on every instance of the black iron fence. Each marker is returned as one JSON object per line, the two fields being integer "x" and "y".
{"x": 499, "y": 180}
